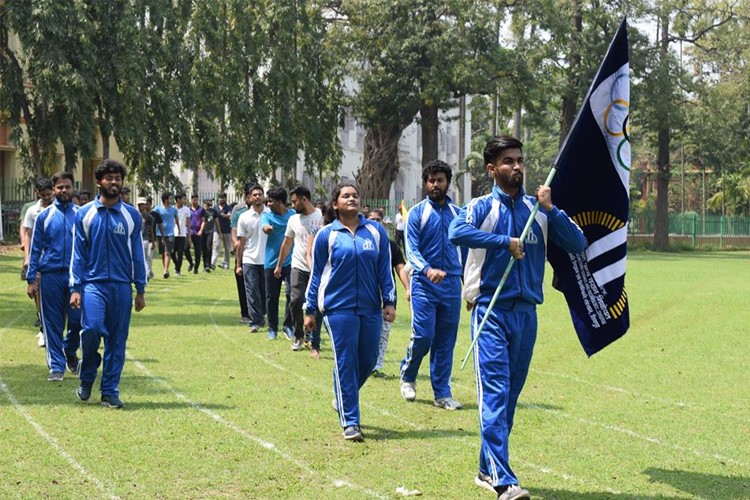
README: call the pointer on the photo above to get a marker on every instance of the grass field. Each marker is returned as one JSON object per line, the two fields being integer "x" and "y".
{"x": 215, "y": 412}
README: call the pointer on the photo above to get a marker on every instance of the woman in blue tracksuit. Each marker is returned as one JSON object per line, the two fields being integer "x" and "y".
{"x": 490, "y": 227}
{"x": 352, "y": 286}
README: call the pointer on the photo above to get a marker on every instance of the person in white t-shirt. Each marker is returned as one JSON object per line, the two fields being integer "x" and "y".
{"x": 181, "y": 238}
{"x": 306, "y": 221}
{"x": 46, "y": 195}
{"x": 399, "y": 232}
{"x": 250, "y": 256}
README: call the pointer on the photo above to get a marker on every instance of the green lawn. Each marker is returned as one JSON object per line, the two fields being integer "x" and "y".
{"x": 213, "y": 411}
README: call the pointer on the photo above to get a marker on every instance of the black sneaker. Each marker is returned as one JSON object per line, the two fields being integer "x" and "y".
{"x": 83, "y": 391}
{"x": 166, "y": 275}
{"x": 208, "y": 269}
{"x": 354, "y": 433}
{"x": 73, "y": 364}
{"x": 112, "y": 402}
{"x": 378, "y": 374}
{"x": 190, "y": 267}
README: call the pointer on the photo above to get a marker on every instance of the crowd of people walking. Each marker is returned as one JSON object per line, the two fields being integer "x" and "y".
{"x": 338, "y": 268}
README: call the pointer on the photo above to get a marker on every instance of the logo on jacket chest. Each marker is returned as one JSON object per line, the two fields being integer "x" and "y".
{"x": 119, "y": 229}
{"x": 368, "y": 245}
{"x": 531, "y": 238}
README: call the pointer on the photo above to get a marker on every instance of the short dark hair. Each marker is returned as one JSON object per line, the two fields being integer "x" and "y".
{"x": 278, "y": 193}
{"x": 223, "y": 195}
{"x": 86, "y": 192}
{"x": 179, "y": 196}
{"x": 42, "y": 184}
{"x": 437, "y": 167}
{"x": 109, "y": 166}
{"x": 62, "y": 175}
{"x": 249, "y": 188}
{"x": 125, "y": 190}
{"x": 193, "y": 196}
{"x": 496, "y": 146}
{"x": 301, "y": 191}
{"x": 165, "y": 196}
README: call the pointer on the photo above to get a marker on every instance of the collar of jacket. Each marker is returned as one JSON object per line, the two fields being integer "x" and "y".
{"x": 504, "y": 198}
{"x": 338, "y": 226}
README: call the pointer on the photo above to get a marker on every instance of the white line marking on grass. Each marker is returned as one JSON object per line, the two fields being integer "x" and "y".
{"x": 638, "y": 395}
{"x": 87, "y": 475}
{"x": 338, "y": 483}
{"x": 469, "y": 442}
{"x": 633, "y": 434}
{"x": 621, "y": 390}
{"x": 628, "y": 432}
{"x": 47, "y": 437}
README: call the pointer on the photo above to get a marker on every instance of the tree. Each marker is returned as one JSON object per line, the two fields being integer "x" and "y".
{"x": 45, "y": 91}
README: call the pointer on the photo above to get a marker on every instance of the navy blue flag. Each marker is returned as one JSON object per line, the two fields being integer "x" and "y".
{"x": 592, "y": 186}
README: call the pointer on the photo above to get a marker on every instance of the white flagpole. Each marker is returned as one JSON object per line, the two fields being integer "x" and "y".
{"x": 524, "y": 233}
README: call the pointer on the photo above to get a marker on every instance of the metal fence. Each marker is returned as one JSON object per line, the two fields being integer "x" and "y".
{"x": 694, "y": 230}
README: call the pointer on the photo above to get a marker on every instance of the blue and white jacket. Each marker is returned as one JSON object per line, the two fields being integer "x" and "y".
{"x": 426, "y": 238}
{"x": 108, "y": 246}
{"x": 52, "y": 239}
{"x": 486, "y": 226}
{"x": 351, "y": 273}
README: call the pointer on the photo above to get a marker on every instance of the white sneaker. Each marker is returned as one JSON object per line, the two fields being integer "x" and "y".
{"x": 40, "y": 339}
{"x": 409, "y": 390}
{"x": 514, "y": 492}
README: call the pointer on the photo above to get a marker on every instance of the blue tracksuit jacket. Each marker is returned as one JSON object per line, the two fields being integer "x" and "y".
{"x": 52, "y": 239}
{"x": 486, "y": 226}
{"x": 117, "y": 254}
{"x": 427, "y": 244}
{"x": 351, "y": 274}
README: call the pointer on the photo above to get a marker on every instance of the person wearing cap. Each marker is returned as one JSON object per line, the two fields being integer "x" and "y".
{"x": 147, "y": 232}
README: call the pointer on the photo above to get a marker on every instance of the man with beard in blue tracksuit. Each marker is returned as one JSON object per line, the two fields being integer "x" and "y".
{"x": 491, "y": 226}
{"x": 50, "y": 252}
{"x": 435, "y": 287}
{"x": 107, "y": 260}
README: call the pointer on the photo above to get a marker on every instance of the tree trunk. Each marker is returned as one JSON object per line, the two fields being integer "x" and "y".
{"x": 570, "y": 99}
{"x": 71, "y": 157}
{"x": 105, "y": 141}
{"x": 429, "y": 122}
{"x": 663, "y": 167}
{"x": 380, "y": 164}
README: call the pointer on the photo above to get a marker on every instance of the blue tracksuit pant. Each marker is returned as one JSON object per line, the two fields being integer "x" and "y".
{"x": 55, "y": 307}
{"x": 354, "y": 343}
{"x": 501, "y": 362}
{"x": 106, "y": 309}
{"x": 436, "y": 310}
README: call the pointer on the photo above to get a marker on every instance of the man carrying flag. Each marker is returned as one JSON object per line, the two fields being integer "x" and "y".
{"x": 491, "y": 227}
{"x": 597, "y": 149}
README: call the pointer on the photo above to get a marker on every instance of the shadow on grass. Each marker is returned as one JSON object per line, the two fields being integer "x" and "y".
{"x": 382, "y": 434}
{"x": 28, "y": 385}
{"x": 548, "y": 493}
{"x": 702, "y": 485}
